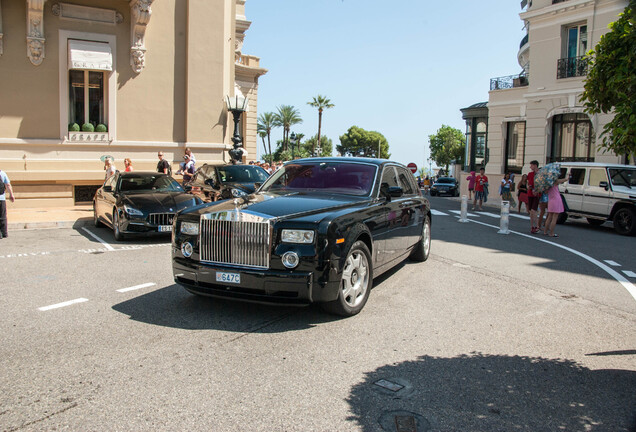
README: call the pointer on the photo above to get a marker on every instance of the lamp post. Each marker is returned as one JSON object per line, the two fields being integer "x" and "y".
{"x": 237, "y": 105}
{"x": 292, "y": 141}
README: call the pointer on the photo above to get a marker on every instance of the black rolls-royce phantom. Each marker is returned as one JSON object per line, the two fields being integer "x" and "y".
{"x": 318, "y": 230}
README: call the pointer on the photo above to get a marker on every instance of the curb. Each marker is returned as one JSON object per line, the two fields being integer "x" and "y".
{"x": 48, "y": 225}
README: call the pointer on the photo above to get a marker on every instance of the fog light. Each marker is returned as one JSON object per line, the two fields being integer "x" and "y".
{"x": 186, "y": 249}
{"x": 290, "y": 259}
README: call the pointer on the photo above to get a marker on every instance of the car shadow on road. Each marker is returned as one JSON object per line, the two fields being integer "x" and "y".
{"x": 106, "y": 234}
{"x": 482, "y": 392}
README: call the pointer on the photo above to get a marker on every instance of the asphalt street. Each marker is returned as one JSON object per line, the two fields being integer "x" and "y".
{"x": 495, "y": 332}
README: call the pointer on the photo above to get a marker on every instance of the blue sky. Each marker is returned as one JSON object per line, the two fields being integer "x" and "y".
{"x": 400, "y": 68}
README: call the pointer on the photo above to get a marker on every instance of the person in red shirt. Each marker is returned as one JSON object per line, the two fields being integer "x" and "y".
{"x": 481, "y": 187}
{"x": 533, "y": 198}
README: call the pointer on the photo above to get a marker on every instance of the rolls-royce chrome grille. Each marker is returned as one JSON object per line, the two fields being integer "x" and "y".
{"x": 235, "y": 242}
{"x": 161, "y": 218}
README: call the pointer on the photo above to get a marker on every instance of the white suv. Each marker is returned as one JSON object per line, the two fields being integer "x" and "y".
{"x": 600, "y": 192}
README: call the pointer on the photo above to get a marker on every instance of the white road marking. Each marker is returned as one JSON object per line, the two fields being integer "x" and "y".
{"x": 136, "y": 287}
{"x": 520, "y": 216}
{"x": 629, "y": 273}
{"x": 492, "y": 215}
{"x": 613, "y": 263}
{"x": 459, "y": 213}
{"x": 438, "y": 213}
{"x": 63, "y": 304}
{"x": 106, "y": 245}
{"x": 631, "y": 289}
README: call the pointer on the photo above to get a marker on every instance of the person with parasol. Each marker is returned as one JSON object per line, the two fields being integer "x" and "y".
{"x": 109, "y": 165}
{"x": 548, "y": 180}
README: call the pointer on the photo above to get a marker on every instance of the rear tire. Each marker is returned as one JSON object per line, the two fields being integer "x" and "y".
{"x": 356, "y": 282}
{"x": 423, "y": 248}
{"x": 625, "y": 221}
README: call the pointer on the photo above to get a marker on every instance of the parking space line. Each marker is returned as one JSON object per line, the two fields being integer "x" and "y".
{"x": 136, "y": 287}
{"x": 631, "y": 289}
{"x": 106, "y": 245}
{"x": 63, "y": 304}
{"x": 613, "y": 263}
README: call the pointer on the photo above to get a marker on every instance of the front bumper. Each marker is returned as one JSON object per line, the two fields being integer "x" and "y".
{"x": 263, "y": 286}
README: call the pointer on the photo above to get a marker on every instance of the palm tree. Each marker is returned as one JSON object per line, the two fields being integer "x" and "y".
{"x": 266, "y": 122}
{"x": 263, "y": 134}
{"x": 320, "y": 102}
{"x": 286, "y": 117}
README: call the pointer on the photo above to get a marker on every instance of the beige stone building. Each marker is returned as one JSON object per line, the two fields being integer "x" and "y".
{"x": 537, "y": 114}
{"x": 148, "y": 75}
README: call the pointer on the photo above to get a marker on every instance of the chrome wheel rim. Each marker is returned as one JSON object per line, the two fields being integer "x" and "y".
{"x": 355, "y": 278}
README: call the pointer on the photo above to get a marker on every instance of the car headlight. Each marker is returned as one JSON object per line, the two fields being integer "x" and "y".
{"x": 132, "y": 211}
{"x": 297, "y": 236}
{"x": 190, "y": 228}
{"x": 238, "y": 193}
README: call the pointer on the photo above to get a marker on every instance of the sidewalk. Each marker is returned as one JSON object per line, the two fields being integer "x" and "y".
{"x": 58, "y": 217}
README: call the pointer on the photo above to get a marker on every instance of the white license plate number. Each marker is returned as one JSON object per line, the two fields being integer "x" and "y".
{"x": 165, "y": 228}
{"x": 234, "y": 278}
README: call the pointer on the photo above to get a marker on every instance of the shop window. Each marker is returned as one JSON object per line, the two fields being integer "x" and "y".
{"x": 515, "y": 146}
{"x": 87, "y": 98}
{"x": 572, "y": 138}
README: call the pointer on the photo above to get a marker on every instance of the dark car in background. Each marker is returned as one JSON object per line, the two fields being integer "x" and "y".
{"x": 445, "y": 186}
{"x": 318, "y": 230}
{"x": 217, "y": 182}
{"x": 140, "y": 203}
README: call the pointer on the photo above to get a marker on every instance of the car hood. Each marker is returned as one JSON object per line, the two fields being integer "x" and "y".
{"x": 274, "y": 206}
{"x": 159, "y": 201}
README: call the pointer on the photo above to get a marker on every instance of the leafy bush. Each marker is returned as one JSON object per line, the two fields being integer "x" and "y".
{"x": 73, "y": 127}
{"x": 101, "y": 128}
{"x": 87, "y": 127}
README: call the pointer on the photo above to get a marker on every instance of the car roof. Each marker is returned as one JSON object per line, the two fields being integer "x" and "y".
{"x": 139, "y": 173}
{"x": 347, "y": 159}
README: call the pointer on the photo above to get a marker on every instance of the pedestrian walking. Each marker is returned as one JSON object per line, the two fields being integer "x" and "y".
{"x": 555, "y": 206}
{"x": 5, "y": 186}
{"x": 128, "y": 165}
{"x": 522, "y": 192}
{"x": 505, "y": 190}
{"x": 481, "y": 189}
{"x": 533, "y": 198}
{"x": 471, "y": 184}
{"x": 163, "y": 166}
{"x": 109, "y": 168}
{"x": 186, "y": 169}
{"x": 191, "y": 155}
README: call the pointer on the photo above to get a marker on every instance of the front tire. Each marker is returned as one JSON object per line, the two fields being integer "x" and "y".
{"x": 356, "y": 282}
{"x": 423, "y": 248}
{"x": 116, "y": 229}
{"x": 625, "y": 221}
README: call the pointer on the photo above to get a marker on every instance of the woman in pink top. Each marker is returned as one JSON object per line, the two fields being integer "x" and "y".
{"x": 555, "y": 206}
{"x": 471, "y": 184}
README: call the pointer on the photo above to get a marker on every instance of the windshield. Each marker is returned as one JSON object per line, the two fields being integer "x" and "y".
{"x": 149, "y": 183}
{"x": 333, "y": 177}
{"x": 623, "y": 176}
{"x": 445, "y": 180}
{"x": 242, "y": 174}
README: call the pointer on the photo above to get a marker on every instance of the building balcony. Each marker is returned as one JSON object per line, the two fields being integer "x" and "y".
{"x": 508, "y": 82}
{"x": 558, "y": 1}
{"x": 571, "y": 67}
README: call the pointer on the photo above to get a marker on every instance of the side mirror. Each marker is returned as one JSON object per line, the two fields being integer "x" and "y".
{"x": 604, "y": 185}
{"x": 395, "y": 191}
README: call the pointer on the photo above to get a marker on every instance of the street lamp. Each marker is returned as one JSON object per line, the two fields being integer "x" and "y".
{"x": 237, "y": 105}
{"x": 292, "y": 141}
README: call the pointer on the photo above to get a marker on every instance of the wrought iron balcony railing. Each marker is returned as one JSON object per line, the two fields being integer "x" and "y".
{"x": 571, "y": 67}
{"x": 509, "y": 82}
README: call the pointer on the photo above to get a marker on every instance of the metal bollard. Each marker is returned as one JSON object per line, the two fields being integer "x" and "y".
{"x": 464, "y": 214}
{"x": 505, "y": 218}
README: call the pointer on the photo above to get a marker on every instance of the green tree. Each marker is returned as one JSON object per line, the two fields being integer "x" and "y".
{"x": 267, "y": 121}
{"x": 446, "y": 145}
{"x": 322, "y": 103}
{"x": 360, "y": 142}
{"x": 324, "y": 149}
{"x": 263, "y": 134}
{"x": 286, "y": 117}
{"x": 611, "y": 83}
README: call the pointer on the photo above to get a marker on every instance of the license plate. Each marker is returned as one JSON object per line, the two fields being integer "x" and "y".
{"x": 234, "y": 278}
{"x": 165, "y": 228}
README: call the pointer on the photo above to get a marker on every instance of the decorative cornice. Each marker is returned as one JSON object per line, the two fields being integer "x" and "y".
{"x": 140, "y": 17}
{"x": 556, "y": 8}
{"x": 35, "y": 31}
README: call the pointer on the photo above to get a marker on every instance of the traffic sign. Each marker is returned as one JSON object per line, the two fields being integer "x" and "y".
{"x": 412, "y": 167}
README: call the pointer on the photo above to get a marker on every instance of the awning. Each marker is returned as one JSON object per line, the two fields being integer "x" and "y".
{"x": 89, "y": 55}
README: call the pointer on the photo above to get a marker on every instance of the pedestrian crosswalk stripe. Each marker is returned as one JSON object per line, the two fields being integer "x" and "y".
{"x": 468, "y": 214}
{"x": 438, "y": 213}
{"x": 524, "y": 217}
{"x": 496, "y": 216}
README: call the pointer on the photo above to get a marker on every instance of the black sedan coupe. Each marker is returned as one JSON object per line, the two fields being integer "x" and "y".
{"x": 445, "y": 186}
{"x": 216, "y": 182}
{"x": 140, "y": 203}
{"x": 318, "y": 230}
